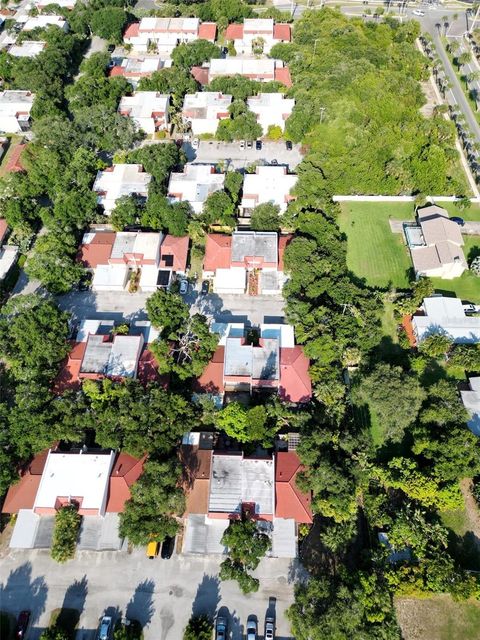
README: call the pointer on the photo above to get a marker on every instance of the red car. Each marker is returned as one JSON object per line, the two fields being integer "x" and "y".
{"x": 22, "y": 625}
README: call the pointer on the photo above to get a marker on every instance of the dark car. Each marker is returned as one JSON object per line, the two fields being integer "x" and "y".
{"x": 167, "y": 548}
{"x": 275, "y": 162}
{"x": 111, "y": 48}
{"x": 258, "y": 145}
{"x": 22, "y": 625}
{"x": 221, "y": 628}
{"x": 458, "y": 220}
{"x": 289, "y": 145}
{"x": 205, "y": 287}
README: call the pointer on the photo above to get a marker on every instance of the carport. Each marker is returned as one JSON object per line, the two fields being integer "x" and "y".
{"x": 203, "y": 535}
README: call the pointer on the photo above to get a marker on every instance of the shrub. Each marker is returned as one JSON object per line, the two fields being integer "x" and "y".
{"x": 65, "y": 533}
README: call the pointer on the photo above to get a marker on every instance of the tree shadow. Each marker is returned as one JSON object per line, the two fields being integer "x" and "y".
{"x": 141, "y": 607}
{"x": 207, "y": 597}
{"x": 73, "y": 605}
{"x": 20, "y": 589}
{"x": 473, "y": 253}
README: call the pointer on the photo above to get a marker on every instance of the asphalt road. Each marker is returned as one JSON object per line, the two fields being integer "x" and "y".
{"x": 233, "y": 156}
{"x": 161, "y": 594}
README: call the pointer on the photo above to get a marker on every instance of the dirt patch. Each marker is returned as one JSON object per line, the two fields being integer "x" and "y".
{"x": 438, "y": 618}
{"x": 431, "y": 98}
{"x": 5, "y": 538}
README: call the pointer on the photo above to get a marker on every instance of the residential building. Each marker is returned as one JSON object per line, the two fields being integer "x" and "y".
{"x": 65, "y": 4}
{"x": 97, "y": 481}
{"x": 269, "y": 183}
{"x": 164, "y": 34}
{"x": 43, "y": 21}
{"x": 435, "y": 244}
{"x": 135, "y": 68}
{"x": 15, "y": 107}
{"x": 28, "y": 49}
{"x": 471, "y": 402}
{"x": 257, "y": 35}
{"x": 446, "y": 316}
{"x": 8, "y": 253}
{"x": 259, "y": 69}
{"x": 120, "y": 180}
{"x": 99, "y": 352}
{"x": 263, "y": 359}
{"x": 194, "y": 185}
{"x": 202, "y": 111}
{"x": 222, "y": 485}
{"x": 230, "y": 262}
{"x": 148, "y": 109}
{"x": 114, "y": 257}
{"x": 271, "y": 109}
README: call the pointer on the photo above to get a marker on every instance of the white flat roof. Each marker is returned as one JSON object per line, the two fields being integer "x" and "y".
{"x": 447, "y": 316}
{"x": 91, "y": 327}
{"x": 79, "y": 475}
{"x": 28, "y": 49}
{"x": 110, "y": 275}
{"x": 143, "y": 104}
{"x": 234, "y": 278}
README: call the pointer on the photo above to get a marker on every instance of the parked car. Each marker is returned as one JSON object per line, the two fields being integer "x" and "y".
{"x": 22, "y": 625}
{"x": 289, "y": 145}
{"x": 105, "y": 629}
{"x": 111, "y": 48}
{"x": 471, "y": 308}
{"x": 251, "y": 629}
{"x": 221, "y": 628}
{"x": 258, "y": 145}
{"x": 183, "y": 287}
{"x": 275, "y": 162}
{"x": 153, "y": 549}
{"x": 269, "y": 628}
{"x": 195, "y": 143}
{"x": 205, "y": 287}
{"x": 418, "y": 12}
{"x": 168, "y": 546}
{"x": 242, "y": 144}
{"x": 249, "y": 144}
{"x": 458, "y": 220}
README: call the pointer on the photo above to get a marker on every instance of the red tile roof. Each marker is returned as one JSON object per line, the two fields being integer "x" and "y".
{"x": 201, "y": 74}
{"x": 283, "y": 242}
{"x": 234, "y": 32}
{"x": 125, "y": 472}
{"x": 117, "y": 70}
{"x": 14, "y": 159}
{"x": 290, "y": 502}
{"x": 282, "y": 32}
{"x": 98, "y": 250}
{"x": 22, "y": 494}
{"x": 132, "y": 30}
{"x": 282, "y": 74}
{"x": 218, "y": 251}
{"x": 176, "y": 247}
{"x": 295, "y": 383}
{"x": 211, "y": 380}
{"x": 207, "y": 31}
{"x": 3, "y": 229}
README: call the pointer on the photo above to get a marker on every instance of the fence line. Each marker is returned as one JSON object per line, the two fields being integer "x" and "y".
{"x": 399, "y": 199}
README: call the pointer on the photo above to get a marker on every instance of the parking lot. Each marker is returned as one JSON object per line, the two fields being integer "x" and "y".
{"x": 124, "y": 306}
{"x": 161, "y": 594}
{"x": 236, "y": 158}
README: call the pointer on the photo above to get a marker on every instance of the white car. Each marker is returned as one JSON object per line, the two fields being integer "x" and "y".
{"x": 251, "y": 629}
{"x": 242, "y": 144}
{"x": 418, "y": 12}
{"x": 195, "y": 143}
{"x": 183, "y": 287}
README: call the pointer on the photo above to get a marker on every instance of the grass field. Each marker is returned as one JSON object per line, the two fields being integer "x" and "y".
{"x": 438, "y": 618}
{"x": 467, "y": 287}
{"x": 374, "y": 252}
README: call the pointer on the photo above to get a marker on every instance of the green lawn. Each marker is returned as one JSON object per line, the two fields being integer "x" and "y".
{"x": 467, "y": 287}
{"x": 472, "y": 213}
{"x": 374, "y": 252}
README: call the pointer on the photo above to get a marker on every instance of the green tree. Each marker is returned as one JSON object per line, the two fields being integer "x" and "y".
{"x": 274, "y": 132}
{"x": 198, "y": 628}
{"x": 219, "y": 208}
{"x": 127, "y": 212}
{"x": 65, "y": 532}
{"x": 191, "y": 54}
{"x": 167, "y": 311}
{"x": 175, "y": 81}
{"x": 233, "y": 185}
{"x": 265, "y": 217}
{"x": 436, "y": 345}
{"x": 108, "y": 23}
{"x": 53, "y": 262}
{"x": 54, "y": 633}
{"x": 246, "y": 425}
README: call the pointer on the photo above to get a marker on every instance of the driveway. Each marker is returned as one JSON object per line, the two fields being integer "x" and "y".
{"x": 121, "y": 305}
{"x": 230, "y": 153}
{"x": 161, "y": 594}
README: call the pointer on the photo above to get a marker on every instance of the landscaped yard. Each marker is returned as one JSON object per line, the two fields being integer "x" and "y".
{"x": 374, "y": 252}
{"x": 467, "y": 287}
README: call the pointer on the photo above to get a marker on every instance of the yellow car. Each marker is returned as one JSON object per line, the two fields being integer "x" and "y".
{"x": 153, "y": 549}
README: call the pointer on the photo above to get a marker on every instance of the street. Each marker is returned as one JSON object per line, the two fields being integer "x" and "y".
{"x": 160, "y": 594}
{"x": 232, "y": 156}
{"x": 123, "y": 306}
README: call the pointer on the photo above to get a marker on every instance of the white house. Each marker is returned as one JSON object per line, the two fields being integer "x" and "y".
{"x": 259, "y": 69}
{"x": 43, "y": 21}
{"x": 120, "y": 180}
{"x": 15, "y": 107}
{"x": 202, "y": 111}
{"x": 471, "y": 402}
{"x": 436, "y": 244}
{"x": 271, "y": 109}
{"x": 28, "y": 49}
{"x": 136, "y": 68}
{"x": 8, "y": 253}
{"x": 148, "y": 109}
{"x": 446, "y": 316}
{"x": 270, "y": 183}
{"x": 164, "y": 34}
{"x": 64, "y": 4}
{"x": 194, "y": 185}
{"x": 257, "y": 35}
